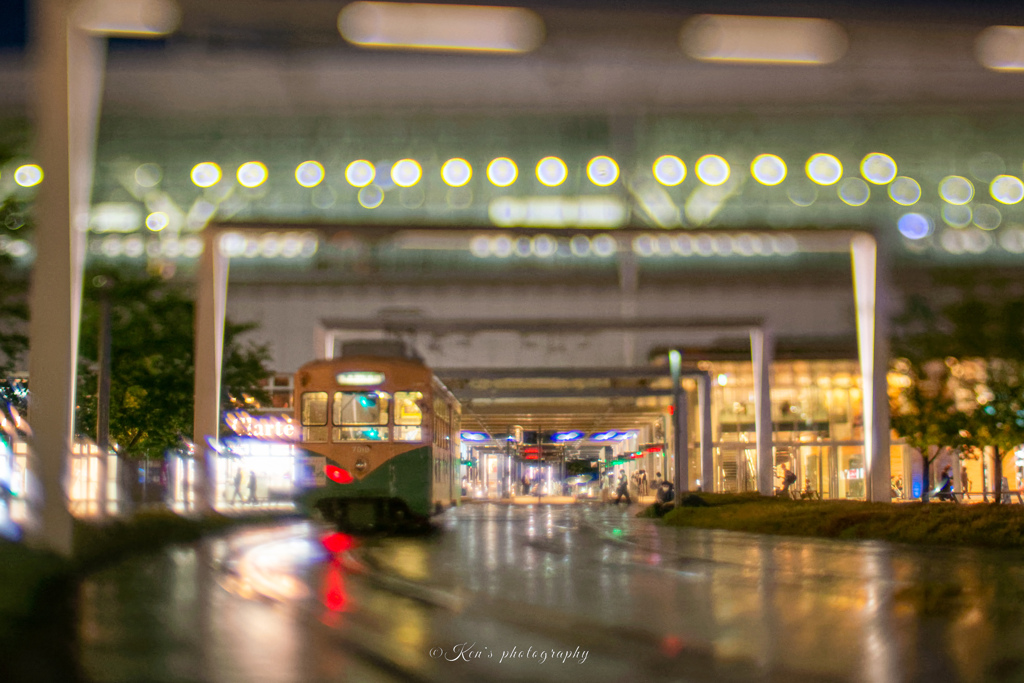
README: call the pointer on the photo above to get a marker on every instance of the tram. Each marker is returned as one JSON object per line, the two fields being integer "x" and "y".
{"x": 388, "y": 431}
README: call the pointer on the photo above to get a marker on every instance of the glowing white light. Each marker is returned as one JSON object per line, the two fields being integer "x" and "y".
{"x": 406, "y": 173}
{"x": 603, "y": 171}
{"x": 134, "y": 247}
{"x": 669, "y": 170}
{"x": 1001, "y": 48}
{"x": 987, "y": 217}
{"x": 768, "y": 169}
{"x": 501, "y": 246}
{"x": 957, "y": 216}
{"x": 360, "y": 173}
{"x": 604, "y": 246}
{"x": 914, "y": 226}
{"x": 370, "y": 197}
{"x": 762, "y": 40}
{"x": 854, "y": 191}
{"x": 712, "y": 169}
{"x": 551, "y": 171}
{"x": 206, "y": 174}
{"x": 480, "y": 246}
{"x": 191, "y": 247}
{"x": 1006, "y": 189}
{"x": 878, "y": 168}
{"x": 502, "y": 172}
{"x": 148, "y": 175}
{"x": 157, "y": 221}
{"x": 579, "y": 245}
{"x": 956, "y": 189}
{"x": 28, "y": 175}
{"x": 129, "y": 19}
{"x": 1012, "y": 240}
{"x": 232, "y": 244}
{"x": 270, "y": 245}
{"x": 456, "y": 172}
{"x": 824, "y": 169}
{"x": 544, "y": 246}
{"x": 252, "y": 174}
{"x": 422, "y": 26}
{"x": 904, "y": 191}
{"x": 19, "y": 248}
{"x": 309, "y": 173}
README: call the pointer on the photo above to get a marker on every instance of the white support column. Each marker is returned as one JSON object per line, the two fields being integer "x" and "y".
{"x": 873, "y": 350}
{"x": 681, "y": 450}
{"x": 707, "y": 460}
{"x": 762, "y": 350}
{"x": 211, "y": 302}
{"x": 69, "y": 81}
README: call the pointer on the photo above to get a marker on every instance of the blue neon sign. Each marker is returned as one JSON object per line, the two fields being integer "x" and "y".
{"x": 475, "y": 436}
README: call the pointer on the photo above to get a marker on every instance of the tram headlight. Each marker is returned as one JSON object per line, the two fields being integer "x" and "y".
{"x": 361, "y": 465}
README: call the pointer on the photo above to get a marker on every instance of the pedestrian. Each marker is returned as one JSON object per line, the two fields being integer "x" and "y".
{"x": 808, "y": 491}
{"x": 945, "y": 488}
{"x": 643, "y": 484}
{"x": 788, "y": 479}
{"x": 236, "y": 495}
{"x": 657, "y": 481}
{"x": 252, "y": 486}
{"x": 965, "y": 482}
{"x": 665, "y": 497}
{"x": 1004, "y": 485}
{"x": 623, "y": 490}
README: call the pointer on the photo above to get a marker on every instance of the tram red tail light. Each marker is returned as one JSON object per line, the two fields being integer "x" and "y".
{"x": 336, "y": 542}
{"x": 338, "y": 475}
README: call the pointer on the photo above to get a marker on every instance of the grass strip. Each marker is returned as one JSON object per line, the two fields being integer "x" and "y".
{"x": 944, "y": 524}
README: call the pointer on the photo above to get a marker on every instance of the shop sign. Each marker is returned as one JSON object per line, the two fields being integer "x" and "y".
{"x": 266, "y": 427}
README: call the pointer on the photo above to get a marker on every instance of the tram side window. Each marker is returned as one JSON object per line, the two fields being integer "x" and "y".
{"x": 314, "y": 417}
{"x": 408, "y": 416}
{"x": 360, "y": 416}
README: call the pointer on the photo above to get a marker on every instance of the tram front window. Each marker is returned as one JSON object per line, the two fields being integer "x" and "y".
{"x": 360, "y": 416}
{"x": 314, "y": 417}
{"x": 408, "y": 416}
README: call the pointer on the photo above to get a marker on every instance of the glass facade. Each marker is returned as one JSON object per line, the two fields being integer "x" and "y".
{"x": 817, "y": 417}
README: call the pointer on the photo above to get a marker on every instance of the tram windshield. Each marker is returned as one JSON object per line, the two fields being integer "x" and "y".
{"x": 360, "y": 416}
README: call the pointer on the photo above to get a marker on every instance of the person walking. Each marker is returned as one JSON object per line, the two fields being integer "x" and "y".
{"x": 642, "y": 482}
{"x": 945, "y": 489}
{"x": 965, "y": 482}
{"x": 623, "y": 490}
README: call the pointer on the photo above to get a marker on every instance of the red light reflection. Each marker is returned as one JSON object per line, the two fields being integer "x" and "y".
{"x": 337, "y": 542}
{"x": 333, "y": 588}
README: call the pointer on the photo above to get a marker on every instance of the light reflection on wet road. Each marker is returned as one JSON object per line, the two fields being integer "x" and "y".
{"x": 638, "y": 601}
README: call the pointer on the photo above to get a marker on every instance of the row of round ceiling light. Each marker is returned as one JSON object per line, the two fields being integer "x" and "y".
{"x": 604, "y": 246}
{"x": 543, "y": 246}
{"x": 136, "y": 246}
{"x": 669, "y": 170}
{"x": 269, "y": 245}
{"x": 709, "y": 244}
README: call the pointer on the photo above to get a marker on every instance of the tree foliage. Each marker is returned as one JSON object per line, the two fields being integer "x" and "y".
{"x": 15, "y": 227}
{"x": 962, "y": 377}
{"x": 152, "y": 367}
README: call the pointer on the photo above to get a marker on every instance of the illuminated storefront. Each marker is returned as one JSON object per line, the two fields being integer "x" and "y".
{"x": 261, "y": 466}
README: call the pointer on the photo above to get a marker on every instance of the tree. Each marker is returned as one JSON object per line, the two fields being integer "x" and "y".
{"x": 924, "y": 411}
{"x": 15, "y": 229}
{"x": 997, "y": 421}
{"x": 152, "y": 371}
{"x": 981, "y": 392}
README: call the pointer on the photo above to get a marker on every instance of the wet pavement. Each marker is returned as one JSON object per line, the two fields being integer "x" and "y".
{"x": 554, "y": 593}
